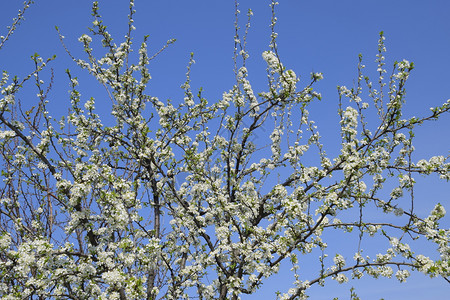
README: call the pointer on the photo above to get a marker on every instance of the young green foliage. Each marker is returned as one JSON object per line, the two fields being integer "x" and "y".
{"x": 180, "y": 200}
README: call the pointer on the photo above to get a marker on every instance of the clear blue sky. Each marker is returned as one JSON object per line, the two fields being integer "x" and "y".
{"x": 320, "y": 36}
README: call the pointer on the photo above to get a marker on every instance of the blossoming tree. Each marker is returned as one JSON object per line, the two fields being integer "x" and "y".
{"x": 179, "y": 200}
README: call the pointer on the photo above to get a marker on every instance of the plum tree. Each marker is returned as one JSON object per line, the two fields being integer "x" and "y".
{"x": 161, "y": 199}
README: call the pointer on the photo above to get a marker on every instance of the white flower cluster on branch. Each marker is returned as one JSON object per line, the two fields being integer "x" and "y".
{"x": 188, "y": 199}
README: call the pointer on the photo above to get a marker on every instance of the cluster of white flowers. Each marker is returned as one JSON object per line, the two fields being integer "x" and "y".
{"x": 113, "y": 277}
{"x": 402, "y": 275}
{"x": 272, "y": 60}
{"x": 404, "y": 68}
{"x": 170, "y": 193}
{"x": 249, "y": 91}
{"x": 4, "y": 134}
{"x": 289, "y": 81}
{"x": 5, "y": 240}
{"x": 425, "y": 264}
{"x": 85, "y": 39}
{"x": 350, "y": 120}
{"x": 227, "y": 98}
{"x": 339, "y": 261}
{"x": 341, "y": 278}
{"x": 276, "y": 141}
{"x": 433, "y": 164}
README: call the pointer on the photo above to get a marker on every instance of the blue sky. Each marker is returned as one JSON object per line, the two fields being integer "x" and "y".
{"x": 320, "y": 36}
